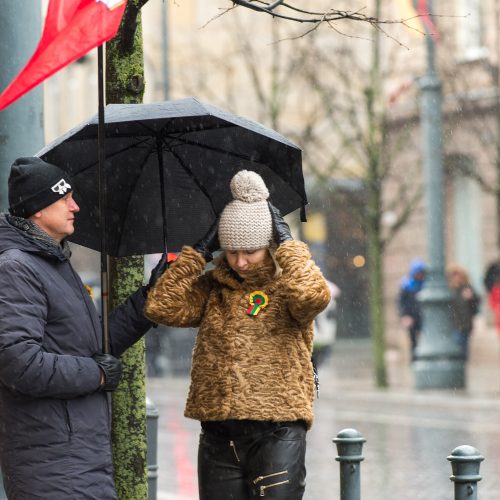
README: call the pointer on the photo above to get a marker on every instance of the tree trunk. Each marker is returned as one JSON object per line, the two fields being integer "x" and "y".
{"x": 125, "y": 84}
{"x": 129, "y": 400}
{"x": 376, "y": 297}
{"x": 374, "y": 183}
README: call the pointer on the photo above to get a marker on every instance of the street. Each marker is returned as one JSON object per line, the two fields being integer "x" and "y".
{"x": 408, "y": 433}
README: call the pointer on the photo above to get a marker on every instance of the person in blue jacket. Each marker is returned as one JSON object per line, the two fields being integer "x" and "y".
{"x": 54, "y": 410}
{"x": 408, "y": 304}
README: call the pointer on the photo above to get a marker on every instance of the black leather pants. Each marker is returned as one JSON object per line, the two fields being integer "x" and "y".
{"x": 239, "y": 460}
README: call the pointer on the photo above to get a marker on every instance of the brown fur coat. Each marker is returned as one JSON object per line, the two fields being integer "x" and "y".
{"x": 246, "y": 367}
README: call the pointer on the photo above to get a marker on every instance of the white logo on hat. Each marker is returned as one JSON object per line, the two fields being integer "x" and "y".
{"x": 111, "y": 4}
{"x": 61, "y": 187}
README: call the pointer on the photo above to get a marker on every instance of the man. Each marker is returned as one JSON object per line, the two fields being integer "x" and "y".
{"x": 54, "y": 409}
{"x": 408, "y": 304}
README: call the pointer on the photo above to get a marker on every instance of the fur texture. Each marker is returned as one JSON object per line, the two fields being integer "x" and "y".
{"x": 246, "y": 367}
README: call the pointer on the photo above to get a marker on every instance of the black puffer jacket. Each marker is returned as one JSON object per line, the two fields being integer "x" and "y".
{"x": 54, "y": 422}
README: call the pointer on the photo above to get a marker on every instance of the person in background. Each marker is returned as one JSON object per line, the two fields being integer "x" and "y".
{"x": 408, "y": 305}
{"x": 492, "y": 285}
{"x": 464, "y": 306}
{"x": 54, "y": 378}
{"x": 252, "y": 379}
{"x": 325, "y": 327}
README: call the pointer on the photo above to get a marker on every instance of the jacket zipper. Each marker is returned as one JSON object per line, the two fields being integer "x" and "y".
{"x": 233, "y": 446}
{"x": 263, "y": 488}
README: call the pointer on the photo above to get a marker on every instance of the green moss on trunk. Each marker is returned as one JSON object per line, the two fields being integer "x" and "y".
{"x": 129, "y": 400}
{"x": 125, "y": 84}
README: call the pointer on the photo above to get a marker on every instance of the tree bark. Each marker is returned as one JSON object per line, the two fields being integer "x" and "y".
{"x": 125, "y": 84}
{"x": 374, "y": 185}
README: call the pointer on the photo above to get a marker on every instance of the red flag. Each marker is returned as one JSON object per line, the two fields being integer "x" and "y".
{"x": 72, "y": 28}
{"x": 417, "y": 18}
{"x": 422, "y": 8}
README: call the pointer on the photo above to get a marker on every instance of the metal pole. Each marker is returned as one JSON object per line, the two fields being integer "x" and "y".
{"x": 152, "y": 415}
{"x": 438, "y": 363}
{"x": 101, "y": 146}
{"x": 465, "y": 461}
{"x": 349, "y": 448}
{"x": 165, "y": 49}
{"x": 21, "y": 124}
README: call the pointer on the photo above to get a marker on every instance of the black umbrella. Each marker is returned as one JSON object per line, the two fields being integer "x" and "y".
{"x": 167, "y": 172}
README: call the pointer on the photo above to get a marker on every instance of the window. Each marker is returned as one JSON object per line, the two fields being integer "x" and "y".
{"x": 471, "y": 30}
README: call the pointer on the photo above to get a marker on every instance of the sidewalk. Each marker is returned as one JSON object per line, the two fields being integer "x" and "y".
{"x": 351, "y": 369}
{"x": 409, "y": 432}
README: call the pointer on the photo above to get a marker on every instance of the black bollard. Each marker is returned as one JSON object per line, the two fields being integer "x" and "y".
{"x": 2, "y": 491}
{"x": 152, "y": 414}
{"x": 349, "y": 448}
{"x": 465, "y": 461}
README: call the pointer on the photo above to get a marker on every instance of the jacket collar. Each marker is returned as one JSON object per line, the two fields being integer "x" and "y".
{"x": 40, "y": 241}
{"x": 258, "y": 276}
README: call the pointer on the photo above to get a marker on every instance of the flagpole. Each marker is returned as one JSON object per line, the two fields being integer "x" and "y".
{"x": 101, "y": 137}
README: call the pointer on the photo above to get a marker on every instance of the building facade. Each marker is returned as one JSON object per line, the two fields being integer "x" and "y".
{"x": 312, "y": 88}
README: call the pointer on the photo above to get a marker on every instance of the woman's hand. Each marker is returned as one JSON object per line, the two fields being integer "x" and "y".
{"x": 210, "y": 242}
{"x": 281, "y": 230}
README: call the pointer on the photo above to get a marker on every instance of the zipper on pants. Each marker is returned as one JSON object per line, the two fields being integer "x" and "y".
{"x": 233, "y": 446}
{"x": 258, "y": 479}
{"x": 264, "y": 487}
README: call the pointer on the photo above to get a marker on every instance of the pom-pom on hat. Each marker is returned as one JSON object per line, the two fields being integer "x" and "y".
{"x": 35, "y": 184}
{"x": 245, "y": 222}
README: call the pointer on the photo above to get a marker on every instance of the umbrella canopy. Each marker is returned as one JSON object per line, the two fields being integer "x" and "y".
{"x": 170, "y": 161}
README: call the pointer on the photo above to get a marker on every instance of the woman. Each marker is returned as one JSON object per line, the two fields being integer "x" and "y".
{"x": 252, "y": 381}
{"x": 464, "y": 306}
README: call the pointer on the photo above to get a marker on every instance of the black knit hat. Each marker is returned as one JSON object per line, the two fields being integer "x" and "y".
{"x": 35, "y": 184}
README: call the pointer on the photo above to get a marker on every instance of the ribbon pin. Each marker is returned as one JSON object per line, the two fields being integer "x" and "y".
{"x": 258, "y": 300}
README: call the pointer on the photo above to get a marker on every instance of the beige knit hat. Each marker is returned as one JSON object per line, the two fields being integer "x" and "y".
{"x": 245, "y": 222}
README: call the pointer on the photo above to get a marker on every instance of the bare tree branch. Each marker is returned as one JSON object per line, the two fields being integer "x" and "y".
{"x": 307, "y": 16}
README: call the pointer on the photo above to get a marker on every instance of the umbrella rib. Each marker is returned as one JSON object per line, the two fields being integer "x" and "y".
{"x": 196, "y": 181}
{"x": 115, "y": 153}
{"x": 132, "y": 190}
{"x": 205, "y": 146}
{"x": 210, "y": 148}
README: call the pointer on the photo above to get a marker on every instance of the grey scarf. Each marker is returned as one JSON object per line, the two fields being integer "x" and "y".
{"x": 38, "y": 234}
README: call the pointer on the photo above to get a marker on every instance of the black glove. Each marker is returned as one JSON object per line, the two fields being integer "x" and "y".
{"x": 158, "y": 270}
{"x": 210, "y": 242}
{"x": 112, "y": 368}
{"x": 281, "y": 230}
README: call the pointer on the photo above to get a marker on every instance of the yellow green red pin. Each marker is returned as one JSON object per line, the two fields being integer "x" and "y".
{"x": 258, "y": 300}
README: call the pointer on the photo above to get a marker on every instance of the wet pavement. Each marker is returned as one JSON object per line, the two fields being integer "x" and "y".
{"x": 409, "y": 433}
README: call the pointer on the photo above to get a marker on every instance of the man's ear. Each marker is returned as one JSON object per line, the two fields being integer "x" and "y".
{"x": 36, "y": 215}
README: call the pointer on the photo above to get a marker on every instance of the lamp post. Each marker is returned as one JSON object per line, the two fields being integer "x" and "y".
{"x": 438, "y": 363}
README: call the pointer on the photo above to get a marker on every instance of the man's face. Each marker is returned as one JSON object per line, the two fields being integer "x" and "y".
{"x": 57, "y": 220}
